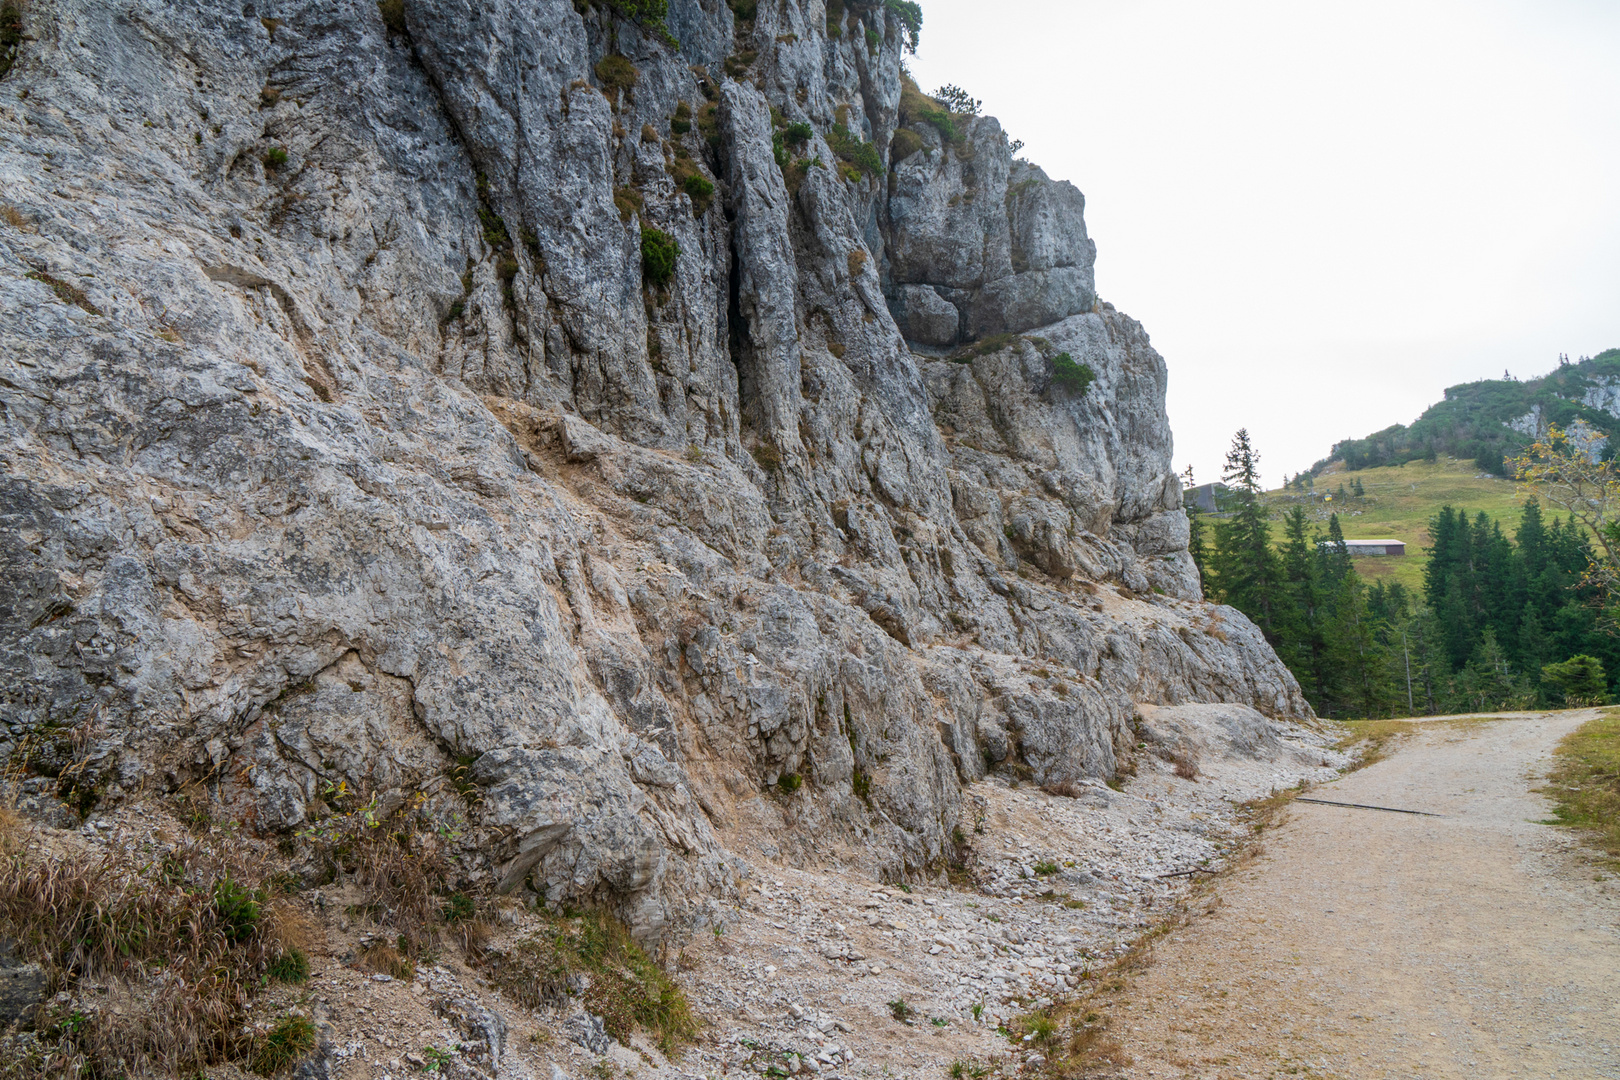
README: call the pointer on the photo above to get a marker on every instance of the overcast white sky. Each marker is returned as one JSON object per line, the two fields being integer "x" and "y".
{"x": 1323, "y": 213}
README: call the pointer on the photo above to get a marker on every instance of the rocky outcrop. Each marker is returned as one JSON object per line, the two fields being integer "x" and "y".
{"x": 362, "y": 424}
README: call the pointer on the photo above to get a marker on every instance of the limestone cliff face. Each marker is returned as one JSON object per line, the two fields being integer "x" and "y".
{"x": 345, "y": 439}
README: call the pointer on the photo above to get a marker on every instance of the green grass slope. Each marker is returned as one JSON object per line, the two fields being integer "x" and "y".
{"x": 1399, "y": 501}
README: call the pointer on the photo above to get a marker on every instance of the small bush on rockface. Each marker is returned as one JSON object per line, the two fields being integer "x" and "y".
{"x": 616, "y": 72}
{"x": 681, "y": 122}
{"x": 900, "y": 1010}
{"x": 659, "y": 251}
{"x": 789, "y": 783}
{"x": 275, "y": 157}
{"x": 11, "y": 29}
{"x": 853, "y": 150}
{"x": 623, "y": 985}
{"x": 700, "y": 190}
{"x": 910, "y": 15}
{"x": 1070, "y": 376}
{"x": 958, "y": 100}
{"x": 743, "y": 9}
{"x": 797, "y": 134}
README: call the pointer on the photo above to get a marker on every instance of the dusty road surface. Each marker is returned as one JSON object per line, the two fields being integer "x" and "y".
{"x": 1370, "y": 944}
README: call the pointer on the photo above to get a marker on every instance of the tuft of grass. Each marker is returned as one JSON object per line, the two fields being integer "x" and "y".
{"x": 1043, "y": 869}
{"x": 624, "y": 986}
{"x": 397, "y": 859}
{"x": 14, "y": 217}
{"x": 900, "y": 1010}
{"x": 291, "y": 966}
{"x": 238, "y": 907}
{"x": 387, "y": 960}
{"x": 617, "y": 73}
{"x": 1585, "y": 783}
{"x": 290, "y": 1041}
{"x": 767, "y": 456}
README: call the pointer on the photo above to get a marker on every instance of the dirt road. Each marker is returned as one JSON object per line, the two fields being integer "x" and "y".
{"x": 1372, "y": 944}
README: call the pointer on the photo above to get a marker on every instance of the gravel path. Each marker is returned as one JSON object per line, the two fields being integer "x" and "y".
{"x": 1367, "y": 944}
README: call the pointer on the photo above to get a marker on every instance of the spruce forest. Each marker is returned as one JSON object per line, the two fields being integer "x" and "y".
{"x": 1507, "y": 618}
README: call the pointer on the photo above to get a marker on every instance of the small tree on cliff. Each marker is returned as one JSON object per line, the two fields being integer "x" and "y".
{"x": 1195, "y": 531}
{"x": 1245, "y": 566}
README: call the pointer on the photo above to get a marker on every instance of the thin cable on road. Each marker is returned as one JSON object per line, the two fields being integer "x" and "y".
{"x": 1364, "y": 806}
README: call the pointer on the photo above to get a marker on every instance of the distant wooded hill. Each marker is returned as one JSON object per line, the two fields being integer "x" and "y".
{"x": 1489, "y": 420}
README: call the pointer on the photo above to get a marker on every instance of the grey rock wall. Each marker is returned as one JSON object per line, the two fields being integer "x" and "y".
{"x": 383, "y": 464}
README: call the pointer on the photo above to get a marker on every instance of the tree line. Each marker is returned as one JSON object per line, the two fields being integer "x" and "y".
{"x": 1499, "y": 623}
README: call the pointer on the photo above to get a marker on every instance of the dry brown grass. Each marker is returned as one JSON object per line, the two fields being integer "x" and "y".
{"x": 181, "y": 945}
{"x": 397, "y": 859}
{"x": 14, "y": 217}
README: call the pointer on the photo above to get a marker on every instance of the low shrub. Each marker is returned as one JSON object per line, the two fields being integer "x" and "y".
{"x": 789, "y": 783}
{"x": 797, "y": 134}
{"x": 659, "y": 252}
{"x": 275, "y": 157}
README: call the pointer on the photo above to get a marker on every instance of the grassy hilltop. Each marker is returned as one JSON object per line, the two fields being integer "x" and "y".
{"x": 1399, "y": 501}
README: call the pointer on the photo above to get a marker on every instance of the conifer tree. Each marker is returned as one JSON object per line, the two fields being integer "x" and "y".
{"x": 1245, "y": 566}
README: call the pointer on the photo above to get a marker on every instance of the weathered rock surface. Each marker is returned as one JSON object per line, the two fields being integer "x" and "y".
{"x": 345, "y": 440}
